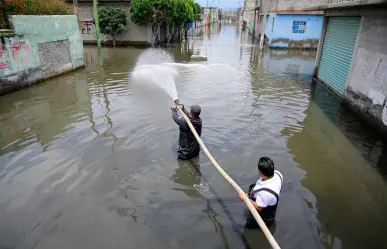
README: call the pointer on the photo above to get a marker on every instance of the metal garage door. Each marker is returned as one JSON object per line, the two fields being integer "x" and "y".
{"x": 336, "y": 55}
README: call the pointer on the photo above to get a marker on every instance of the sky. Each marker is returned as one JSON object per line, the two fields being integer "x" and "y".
{"x": 223, "y": 4}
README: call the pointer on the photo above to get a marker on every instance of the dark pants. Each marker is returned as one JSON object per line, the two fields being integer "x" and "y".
{"x": 251, "y": 223}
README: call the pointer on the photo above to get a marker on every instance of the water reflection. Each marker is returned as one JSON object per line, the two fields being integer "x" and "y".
{"x": 86, "y": 162}
{"x": 189, "y": 174}
{"x": 365, "y": 139}
{"x": 339, "y": 176}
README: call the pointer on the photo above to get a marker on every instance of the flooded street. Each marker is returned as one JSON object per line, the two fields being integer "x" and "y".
{"x": 86, "y": 162}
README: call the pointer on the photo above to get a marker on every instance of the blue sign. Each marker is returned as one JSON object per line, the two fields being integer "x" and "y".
{"x": 299, "y": 26}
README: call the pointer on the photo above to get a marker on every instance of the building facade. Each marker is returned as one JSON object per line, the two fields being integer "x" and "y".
{"x": 293, "y": 29}
{"x": 352, "y": 57}
{"x": 41, "y": 47}
{"x": 286, "y": 24}
{"x": 249, "y": 16}
{"x": 133, "y": 35}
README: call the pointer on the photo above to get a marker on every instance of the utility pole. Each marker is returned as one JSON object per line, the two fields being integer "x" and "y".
{"x": 96, "y": 23}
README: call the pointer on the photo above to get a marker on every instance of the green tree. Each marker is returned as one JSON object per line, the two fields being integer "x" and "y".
{"x": 154, "y": 13}
{"x": 183, "y": 12}
{"x": 197, "y": 11}
{"x": 190, "y": 15}
{"x": 112, "y": 21}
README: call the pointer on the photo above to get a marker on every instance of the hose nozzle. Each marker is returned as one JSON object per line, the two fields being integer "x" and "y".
{"x": 176, "y": 102}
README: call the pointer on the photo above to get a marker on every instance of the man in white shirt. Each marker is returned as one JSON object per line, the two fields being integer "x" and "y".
{"x": 264, "y": 194}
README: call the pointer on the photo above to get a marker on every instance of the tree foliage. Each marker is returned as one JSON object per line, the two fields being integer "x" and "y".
{"x": 112, "y": 21}
{"x": 197, "y": 10}
{"x": 158, "y": 12}
{"x": 38, "y": 7}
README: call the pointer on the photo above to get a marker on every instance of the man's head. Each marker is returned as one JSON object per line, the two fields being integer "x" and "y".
{"x": 266, "y": 167}
{"x": 195, "y": 111}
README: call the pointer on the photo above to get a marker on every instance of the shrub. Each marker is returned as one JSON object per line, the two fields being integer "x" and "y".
{"x": 38, "y": 7}
{"x": 112, "y": 21}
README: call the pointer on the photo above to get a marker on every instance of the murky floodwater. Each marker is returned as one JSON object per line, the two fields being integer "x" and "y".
{"x": 86, "y": 163}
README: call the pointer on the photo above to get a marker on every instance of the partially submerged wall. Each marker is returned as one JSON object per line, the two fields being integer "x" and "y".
{"x": 42, "y": 47}
{"x": 367, "y": 81}
{"x": 294, "y": 30}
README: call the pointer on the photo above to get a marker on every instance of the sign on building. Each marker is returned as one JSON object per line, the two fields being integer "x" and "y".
{"x": 299, "y": 26}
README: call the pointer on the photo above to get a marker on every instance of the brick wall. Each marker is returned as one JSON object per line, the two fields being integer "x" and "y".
{"x": 367, "y": 80}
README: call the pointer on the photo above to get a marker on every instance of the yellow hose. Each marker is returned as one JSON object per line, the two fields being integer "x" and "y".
{"x": 246, "y": 200}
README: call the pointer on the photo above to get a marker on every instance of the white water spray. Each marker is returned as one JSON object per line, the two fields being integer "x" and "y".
{"x": 150, "y": 70}
{"x": 156, "y": 67}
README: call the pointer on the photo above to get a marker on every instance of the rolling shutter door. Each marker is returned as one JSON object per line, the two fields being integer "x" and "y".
{"x": 336, "y": 55}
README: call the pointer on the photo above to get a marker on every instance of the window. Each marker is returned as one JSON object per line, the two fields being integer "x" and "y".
{"x": 272, "y": 24}
{"x": 86, "y": 27}
{"x": 299, "y": 26}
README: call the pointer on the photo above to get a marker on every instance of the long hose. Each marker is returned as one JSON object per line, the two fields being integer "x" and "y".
{"x": 246, "y": 200}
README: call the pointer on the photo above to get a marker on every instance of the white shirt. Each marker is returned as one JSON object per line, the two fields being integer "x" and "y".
{"x": 265, "y": 198}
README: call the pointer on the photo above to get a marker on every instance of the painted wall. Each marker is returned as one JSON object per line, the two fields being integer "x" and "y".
{"x": 367, "y": 80}
{"x": 133, "y": 34}
{"x": 42, "y": 47}
{"x": 282, "y": 30}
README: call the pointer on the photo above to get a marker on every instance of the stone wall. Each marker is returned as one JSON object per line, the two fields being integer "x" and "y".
{"x": 42, "y": 47}
{"x": 367, "y": 81}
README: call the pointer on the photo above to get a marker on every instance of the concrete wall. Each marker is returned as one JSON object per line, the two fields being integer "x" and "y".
{"x": 334, "y": 4}
{"x": 279, "y": 30}
{"x": 134, "y": 34}
{"x": 248, "y": 14}
{"x": 42, "y": 47}
{"x": 367, "y": 81}
{"x": 279, "y": 5}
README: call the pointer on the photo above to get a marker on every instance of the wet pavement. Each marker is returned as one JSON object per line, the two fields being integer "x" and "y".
{"x": 86, "y": 162}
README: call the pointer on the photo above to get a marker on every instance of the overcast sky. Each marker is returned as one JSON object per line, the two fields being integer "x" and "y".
{"x": 224, "y": 4}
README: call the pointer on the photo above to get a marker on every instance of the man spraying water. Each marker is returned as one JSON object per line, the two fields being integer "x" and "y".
{"x": 188, "y": 145}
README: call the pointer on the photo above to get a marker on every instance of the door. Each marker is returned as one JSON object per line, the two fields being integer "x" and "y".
{"x": 337, "y": 51}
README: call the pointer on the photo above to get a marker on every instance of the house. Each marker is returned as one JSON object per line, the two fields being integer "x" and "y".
{"x": 209, "y": 15}
{"x": 249, "y": 15}
{"x": 285, "y": 24}
{"x": 133, "y": 35}
{"x": 229, "y": 16}
{"x": 352, "y": 56}
{"x": 293, "y": 29}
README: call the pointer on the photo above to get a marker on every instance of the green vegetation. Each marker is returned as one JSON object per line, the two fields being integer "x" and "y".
{"x": 31, "y": 7}
{"x": 155, "y": 13}
{"x": 112, "y": 21}
{"x": 37, "y": 7}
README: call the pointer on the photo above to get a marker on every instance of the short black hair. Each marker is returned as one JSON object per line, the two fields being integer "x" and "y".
{"x": 196, "y": 110}
{"x": 266, "y": 166}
